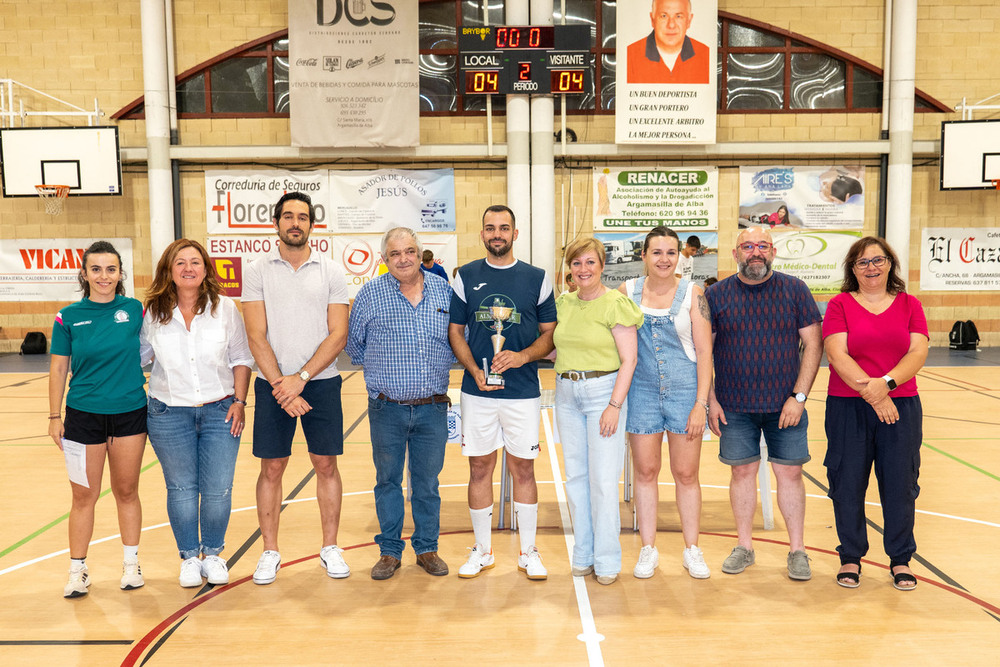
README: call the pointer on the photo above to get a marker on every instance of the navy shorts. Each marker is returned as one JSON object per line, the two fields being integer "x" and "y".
{"x": 274, "y": 429}
{"x": 740, "y": 441}
{"x": 90, "y": 428}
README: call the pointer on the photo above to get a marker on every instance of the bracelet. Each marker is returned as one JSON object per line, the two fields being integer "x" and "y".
{"x": 236, "y": 400}
{"x": 703, "y": 404}
{"x": 55, "y": 416}
{"x": 615, "y": 404}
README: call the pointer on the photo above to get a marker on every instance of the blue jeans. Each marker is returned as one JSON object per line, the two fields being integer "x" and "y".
{"x": 198, "y": 456}
{"x": 423, "y": 429}
{"x": 593, "y": 465}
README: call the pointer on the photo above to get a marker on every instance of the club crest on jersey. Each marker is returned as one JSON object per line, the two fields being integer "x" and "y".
{"x": 121, "y": 316}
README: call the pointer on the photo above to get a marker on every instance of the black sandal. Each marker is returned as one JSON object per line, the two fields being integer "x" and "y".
{"x": 849, "y": 579}
{"x": 903, "y": 578}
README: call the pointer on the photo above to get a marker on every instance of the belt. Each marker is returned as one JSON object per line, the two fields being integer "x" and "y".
{"x": 584, "y": 375}
{"x": 201, "y": 405}
{"x": 427, "y": 400}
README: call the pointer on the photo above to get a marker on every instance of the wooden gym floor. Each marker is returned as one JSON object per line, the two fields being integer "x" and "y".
{"x": 760, "y": 616}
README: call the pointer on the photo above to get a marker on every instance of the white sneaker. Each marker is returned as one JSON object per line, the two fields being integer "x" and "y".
{"x": 131, "y": 575}
{"x": 79, "y": 579}
{"x": 649, "y": 558}
{"x": 479, "y": 560}
{"x": 267, "y": 568}
{"x": 694, "y": 562}
{"x": 215, "y": 570}
{"x": 531, "y": 564}
{"x": 190, "y": 572}
{"x": 332, "y": 558}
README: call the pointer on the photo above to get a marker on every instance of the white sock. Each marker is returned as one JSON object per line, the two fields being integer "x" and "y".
{"x": 482, "y": 525}
{"x": 131, "y": 554}
{"x": 527, "y": 523}
{"x": 76, "y": 564}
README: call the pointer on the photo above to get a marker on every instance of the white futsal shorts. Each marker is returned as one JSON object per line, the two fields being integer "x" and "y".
{"x": 491, "y": 423}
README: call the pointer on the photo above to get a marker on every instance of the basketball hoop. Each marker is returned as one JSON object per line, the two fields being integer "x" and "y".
{"x": 54, "y": 197}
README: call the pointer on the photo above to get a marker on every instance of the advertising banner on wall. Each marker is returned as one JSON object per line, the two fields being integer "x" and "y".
{"x": 232, "y": 255}
{"x": 814, "y": 257}
{"x": 242, "y": 202}
{"x": 352, "y": 73}
{"x": 47, "y": 269}
{"x": 957, "y": 259}
{"x": 376, "y": 201}
{"x": 643, "y": 197}
{"x": 666, "y": 77}
{"x": 802, "y": 197}
{"x": 359, "y": 256}
{"x": 623, "y": 256}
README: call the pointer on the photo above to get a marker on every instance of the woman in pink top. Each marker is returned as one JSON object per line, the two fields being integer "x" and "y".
{"x": 875, "y": 336}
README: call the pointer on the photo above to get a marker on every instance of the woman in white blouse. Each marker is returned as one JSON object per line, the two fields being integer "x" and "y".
{"x": 197, "y": 396}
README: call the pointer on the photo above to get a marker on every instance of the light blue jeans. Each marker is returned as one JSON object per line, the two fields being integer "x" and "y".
{"x": 593, "y": 465}
{"x": 421, "y": 430}
{"x": 198, "y": 456}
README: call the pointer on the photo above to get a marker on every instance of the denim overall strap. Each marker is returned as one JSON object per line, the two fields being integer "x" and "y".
{"x": 637, "y": 290}
{"x": 679, "y": 295}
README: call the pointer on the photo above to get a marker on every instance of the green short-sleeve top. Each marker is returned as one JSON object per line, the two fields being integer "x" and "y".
{"x": 583, "y": 334}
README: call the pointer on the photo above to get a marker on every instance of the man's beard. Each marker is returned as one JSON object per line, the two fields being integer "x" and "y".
{"x": 755, "y": 270}
{"x": 302, "y": 240}
{"x": 498, "y": 252}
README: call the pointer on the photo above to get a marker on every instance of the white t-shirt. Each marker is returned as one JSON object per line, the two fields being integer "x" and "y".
{"x": 682, "y": 322}
{"x": 685, "y": 266}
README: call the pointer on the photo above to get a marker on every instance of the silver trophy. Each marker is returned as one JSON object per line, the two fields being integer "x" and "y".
{"x": 499, "y": 314}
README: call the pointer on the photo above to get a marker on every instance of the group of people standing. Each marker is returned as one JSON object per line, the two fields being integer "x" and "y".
{"x": 637, "y": 360}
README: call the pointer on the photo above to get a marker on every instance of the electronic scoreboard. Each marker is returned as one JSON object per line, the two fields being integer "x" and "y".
{"x": 525, "y": 60}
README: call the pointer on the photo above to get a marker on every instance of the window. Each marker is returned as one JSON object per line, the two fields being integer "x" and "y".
{"x": 761, "y": 69}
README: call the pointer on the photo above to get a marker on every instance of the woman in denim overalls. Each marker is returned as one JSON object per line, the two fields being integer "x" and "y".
{"x": 669, "y": 393}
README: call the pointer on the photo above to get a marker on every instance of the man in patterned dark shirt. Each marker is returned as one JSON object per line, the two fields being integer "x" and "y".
{"x": 759, "y": 318}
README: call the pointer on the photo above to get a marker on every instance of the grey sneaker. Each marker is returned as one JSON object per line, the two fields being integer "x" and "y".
{"x": 798, "y": 566}
{"x": 740, "y": 559}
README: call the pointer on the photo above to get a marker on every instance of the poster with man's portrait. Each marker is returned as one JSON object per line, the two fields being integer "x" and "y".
{"x": 666, "y": 77}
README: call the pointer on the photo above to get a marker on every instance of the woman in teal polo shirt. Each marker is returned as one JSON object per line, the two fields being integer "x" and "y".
{"x": 97, "y": 338}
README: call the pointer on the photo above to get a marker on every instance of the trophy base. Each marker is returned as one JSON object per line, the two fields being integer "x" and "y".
{"x": 494, "y": 380}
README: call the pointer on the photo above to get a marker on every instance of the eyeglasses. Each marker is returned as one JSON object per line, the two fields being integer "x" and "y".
{"x": 763, "y": 246}
{"x": 863, "y": 263}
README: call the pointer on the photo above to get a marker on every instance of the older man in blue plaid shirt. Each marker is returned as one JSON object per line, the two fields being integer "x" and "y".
{"x": 398, "y": 333}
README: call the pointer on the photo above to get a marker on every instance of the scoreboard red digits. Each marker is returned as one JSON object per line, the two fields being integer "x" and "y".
{"x": 482, "y": 82}
{"x": 567, "y": 81}
{"x": 525, "y": 37}
{"x": 525, "y": 60}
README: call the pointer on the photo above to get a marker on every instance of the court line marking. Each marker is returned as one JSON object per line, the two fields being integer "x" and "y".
{"x": 147, "y": 639}
{"x": 248, "y": 508}
{"x": 64, "y": 517}
{"x": 965, "y": 463}
{"x": 590, "y": 637}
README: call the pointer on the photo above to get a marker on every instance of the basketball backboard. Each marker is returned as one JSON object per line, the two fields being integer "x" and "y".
{"x": 970, "y": 154}
{"x": 85, "y": 158}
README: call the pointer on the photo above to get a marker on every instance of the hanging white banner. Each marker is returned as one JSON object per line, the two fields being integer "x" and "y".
{"x": 242, "y": 202}
{"x": 47, "y": 269}
{"x": 960, "y": 259}
{"x": 352, "y": 73}
{"x": 376, "y": 201}
{"x": 666, "y": 76}
{"x": 640, "y": 198}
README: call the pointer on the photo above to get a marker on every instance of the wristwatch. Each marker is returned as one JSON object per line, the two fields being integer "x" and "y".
{"x": 800, "y": 397}
{"x": 304, "y": 375}
{"x": 889, "y": 382}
